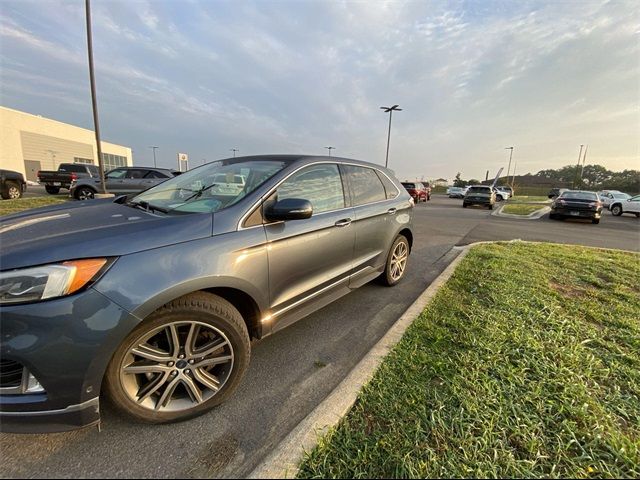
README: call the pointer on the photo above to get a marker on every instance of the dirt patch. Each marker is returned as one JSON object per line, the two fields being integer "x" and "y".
{"x": 568, "y": 291}
{"x": 216, "y": 455}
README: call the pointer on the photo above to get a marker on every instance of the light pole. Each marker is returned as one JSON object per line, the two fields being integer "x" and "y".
{"x": 94, "y": 101}
{"x": 330, "y": 148}
{"x": 154, "y": 154}
{"x": 575, "y": 177}
{"x": 390, "y": 110}
{"x": 509, "y": 167}
{"x": 234, "y": 150}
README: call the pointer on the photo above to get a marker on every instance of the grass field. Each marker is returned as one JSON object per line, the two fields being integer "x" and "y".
{"x": 521, "y": 208}
{"x": 13, "y": 206}
{"x": 533, "y": 372}
{"x": 529, "y": 199}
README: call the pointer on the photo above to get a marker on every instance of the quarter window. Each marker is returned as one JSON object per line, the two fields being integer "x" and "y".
{"x": 365, "y": 185}
{"x": 320, "y": 184}
{"x": 389, "y": 187}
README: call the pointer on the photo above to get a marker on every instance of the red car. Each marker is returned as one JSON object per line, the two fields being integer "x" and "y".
{"x": 417, "y": 191}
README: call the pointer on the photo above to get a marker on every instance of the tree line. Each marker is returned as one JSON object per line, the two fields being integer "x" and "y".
{"x": 591, "y": 177}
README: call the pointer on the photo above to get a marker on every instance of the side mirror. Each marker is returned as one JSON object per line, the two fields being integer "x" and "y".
{"x": 289, "y": 209}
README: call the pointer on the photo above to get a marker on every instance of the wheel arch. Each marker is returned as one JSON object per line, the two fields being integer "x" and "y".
{"x": 406, "y": 232}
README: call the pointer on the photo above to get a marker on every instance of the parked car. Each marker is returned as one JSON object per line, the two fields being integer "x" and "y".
{"x": 12, "y": 184}
{"x": 608, "y": 197}
{"x": 456, "y": 192}
{"x": 630, "y": 205}
{"x": 507, "y": 189}
{"x": 121, "y": 181}
{"x": 577, "y": 204}
{"x": 479, "y": 195}
{"x": 427, "y": 187}
{"x": 556, "y": 192}
{"x": 503, "y": 193}
{"x": 416, "y": 190}
{"x": 54, "y": 180}
{"x": 153, "y": 301}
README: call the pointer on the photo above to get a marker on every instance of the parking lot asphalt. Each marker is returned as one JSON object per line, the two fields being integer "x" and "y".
{"x": 293, "y": 370}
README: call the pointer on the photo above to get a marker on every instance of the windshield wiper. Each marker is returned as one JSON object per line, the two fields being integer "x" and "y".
{"x": 146, "y": 206}
{"x": 196, "y": 194}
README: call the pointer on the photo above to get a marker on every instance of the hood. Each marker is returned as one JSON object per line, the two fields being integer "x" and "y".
{"x": 95, "y": 228}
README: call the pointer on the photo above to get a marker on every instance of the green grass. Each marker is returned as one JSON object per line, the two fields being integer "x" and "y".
{"x": 529, "y": 199}
{"x": 13, "y": 206}
{"x": 521, "y": 208}
{"x": 529, "y": 369}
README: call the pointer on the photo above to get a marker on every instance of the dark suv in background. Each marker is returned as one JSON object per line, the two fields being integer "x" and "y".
{"x": 153, "y": 301}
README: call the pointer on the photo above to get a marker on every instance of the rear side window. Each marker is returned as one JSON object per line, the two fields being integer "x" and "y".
{"x": 320, "y": 184}
{"x": 154, "y": 174}
{"x": 389, "y": 187}
{"x": 365, "y": 185}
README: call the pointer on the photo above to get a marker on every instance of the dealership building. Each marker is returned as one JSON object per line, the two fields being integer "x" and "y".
{"x": 29, "y": 143}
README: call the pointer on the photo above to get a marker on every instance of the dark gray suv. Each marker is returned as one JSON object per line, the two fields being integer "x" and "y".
{"x": 153, "y": 301}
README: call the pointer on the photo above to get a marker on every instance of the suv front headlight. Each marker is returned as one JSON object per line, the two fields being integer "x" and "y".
{"x": 48, "y": 281}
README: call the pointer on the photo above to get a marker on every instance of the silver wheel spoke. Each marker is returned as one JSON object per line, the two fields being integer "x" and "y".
{"x": 206, "y": 379}
{"x": 141, "y": 367}
{"x": 190, "y": 343}
{"x": 192, "y": 389}
{"x": 208, "y": 362}
{"x": 145, "y": 350}
{"x": 174, "y": 340}
{"x": 168, "y": 393}
{"x": 210, "y": 348}
{"x": 152, "y": 387}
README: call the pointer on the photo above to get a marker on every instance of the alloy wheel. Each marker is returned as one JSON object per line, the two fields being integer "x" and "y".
{"x": 14, "y": 192}
{"x": 177, "y": 366}
{"x": 85, "y": 194}
{"x": 399, "y": 260}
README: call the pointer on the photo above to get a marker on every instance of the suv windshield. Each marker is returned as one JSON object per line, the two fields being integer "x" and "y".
{"x": 209, "y": 188}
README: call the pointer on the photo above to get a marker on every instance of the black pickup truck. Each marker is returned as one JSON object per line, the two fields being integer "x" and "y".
{"x": 54, "y": 180}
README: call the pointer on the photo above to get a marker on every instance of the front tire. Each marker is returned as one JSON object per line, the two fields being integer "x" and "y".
{"x": 595, "y": 221}
{"x": 616, "y": 210}
{"x": 12, "y": 191}
{"x": 182, "y": 361}
{"x": 84, "y": 193}
{"x": 396, "y": 262}
{"x": 52, "y": 190}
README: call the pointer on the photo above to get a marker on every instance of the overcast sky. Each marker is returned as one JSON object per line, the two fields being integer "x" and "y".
{"x": 296, "y": 76}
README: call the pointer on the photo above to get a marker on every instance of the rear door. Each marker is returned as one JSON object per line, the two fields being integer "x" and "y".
{"x": 376, "y": 203}
{"x": 311, "y": 259}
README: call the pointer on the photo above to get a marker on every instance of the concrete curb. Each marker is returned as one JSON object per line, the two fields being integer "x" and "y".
{"x": 532, "y": 216}
{"x": 284, "y": 460}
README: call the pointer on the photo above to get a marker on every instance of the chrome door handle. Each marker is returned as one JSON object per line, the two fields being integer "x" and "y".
{"x": 392, "y": 211}
{"x": 343, "y": 223}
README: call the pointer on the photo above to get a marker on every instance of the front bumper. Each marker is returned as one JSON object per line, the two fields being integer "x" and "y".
{"x": 66, "y": 344}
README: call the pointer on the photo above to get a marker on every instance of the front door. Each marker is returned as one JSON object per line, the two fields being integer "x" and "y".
{"x": 311, "y": 259}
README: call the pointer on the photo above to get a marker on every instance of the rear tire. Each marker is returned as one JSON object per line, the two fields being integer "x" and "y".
{"x": 616, "y": 210}
{"x": 212, "y": 321}
{"x": 52, "y": 190}
{"x": 595, "y": 221}
{"x": 464, "y": 205}
{"x": 396, "y": 265}
{"x": 490, "y": 207}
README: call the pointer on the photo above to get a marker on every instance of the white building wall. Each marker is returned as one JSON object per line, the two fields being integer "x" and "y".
{"x": 46, "y": 143}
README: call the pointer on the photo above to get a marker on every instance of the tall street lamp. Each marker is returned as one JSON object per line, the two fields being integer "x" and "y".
{"x": 575, "y": 177}
{"x": 234, "y": 150}
{"x": 330, "y": 148}
{"x": 390, "y": 110}
{"x": 94, "y": 101}
{"x": 509, "y": 167}
{"x": 154, "y": 154}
